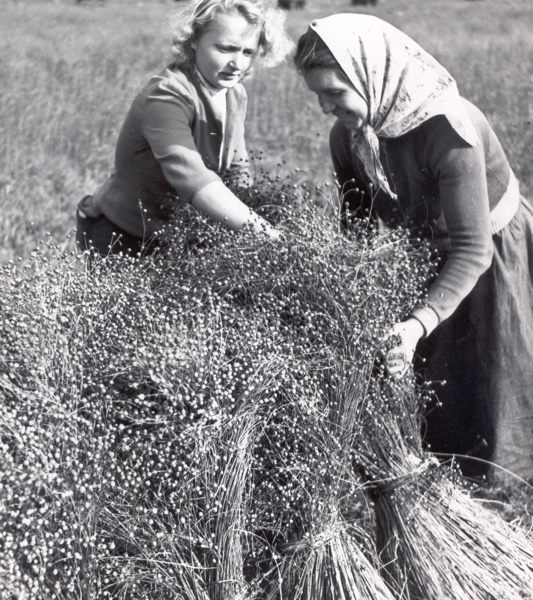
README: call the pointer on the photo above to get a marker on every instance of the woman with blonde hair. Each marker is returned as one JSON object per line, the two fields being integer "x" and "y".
{"x": 409, "y": 151}
{"x": 183, "y": 138}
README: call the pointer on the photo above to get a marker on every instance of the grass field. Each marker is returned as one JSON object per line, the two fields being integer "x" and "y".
{"x": 69, "y": 72}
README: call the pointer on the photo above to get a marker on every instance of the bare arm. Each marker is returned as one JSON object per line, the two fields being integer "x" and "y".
{"x": 216, "y": 201}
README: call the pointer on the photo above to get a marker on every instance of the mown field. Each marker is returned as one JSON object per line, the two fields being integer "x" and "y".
{"x": 212, "y": 424}
{"x": 69, "y": 72}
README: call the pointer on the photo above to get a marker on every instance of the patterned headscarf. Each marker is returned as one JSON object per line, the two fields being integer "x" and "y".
{"x": 402, "y": 84}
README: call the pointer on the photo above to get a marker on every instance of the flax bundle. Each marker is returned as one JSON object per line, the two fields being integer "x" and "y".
{"x": 328, "y": 564}
{"x": 326, "y": 299}
{"x": 331, "y": 558}
{"x": 435, "y": 540}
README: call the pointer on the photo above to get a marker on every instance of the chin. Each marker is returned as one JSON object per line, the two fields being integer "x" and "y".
{"x": 352, "y": 126}
{"x": 226, "y": 85}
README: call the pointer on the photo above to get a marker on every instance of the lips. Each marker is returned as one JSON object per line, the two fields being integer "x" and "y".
{"x": 341, "y": 115}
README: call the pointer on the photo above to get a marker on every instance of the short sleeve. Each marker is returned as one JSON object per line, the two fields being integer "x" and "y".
{"x": 167, "y": 120}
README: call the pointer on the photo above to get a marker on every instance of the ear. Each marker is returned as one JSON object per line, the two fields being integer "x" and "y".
{"x": 194, "y": 40}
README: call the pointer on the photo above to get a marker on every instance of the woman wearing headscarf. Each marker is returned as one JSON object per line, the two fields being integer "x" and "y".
{"x": 409, "y": 150}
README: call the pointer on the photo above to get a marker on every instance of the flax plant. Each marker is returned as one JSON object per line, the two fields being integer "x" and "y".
{"x": 193, "y": 424}
{"x": 326, "y": 298}
{"x": 434, "y": 539}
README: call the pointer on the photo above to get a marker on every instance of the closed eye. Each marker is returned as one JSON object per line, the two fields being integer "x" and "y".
{"x": 330, "y": 94}
{"x": 229, "y": 49}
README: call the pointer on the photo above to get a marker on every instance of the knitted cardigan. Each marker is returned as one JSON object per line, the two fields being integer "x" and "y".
{"x": 446, "y": 191}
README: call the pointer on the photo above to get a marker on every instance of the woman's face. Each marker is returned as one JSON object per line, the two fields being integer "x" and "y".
{"x": 337, "y": 96}
{"x": 226, "y": 49}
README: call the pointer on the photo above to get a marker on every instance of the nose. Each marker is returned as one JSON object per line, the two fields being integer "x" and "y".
{"x": 326, "y": 105}
{"x": 237, "y": 61}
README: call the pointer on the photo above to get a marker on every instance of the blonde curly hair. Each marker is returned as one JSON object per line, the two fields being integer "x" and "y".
{"x": 196, "y": 15}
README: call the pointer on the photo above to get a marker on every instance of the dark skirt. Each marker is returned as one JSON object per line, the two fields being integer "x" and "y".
{"x": 98, "y": 235}
{"x": 483, "y": 413}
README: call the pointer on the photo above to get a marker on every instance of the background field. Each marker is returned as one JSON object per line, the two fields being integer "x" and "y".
{"x": 69, "y": 72}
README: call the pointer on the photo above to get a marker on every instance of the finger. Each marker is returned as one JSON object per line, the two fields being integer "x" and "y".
{"x": 396, "y": 356}
{"x": 389, "y": 344}
{"x": 396, "y": 374}
{"x": 396, "y": 363}
{"x": 392, "y": 337}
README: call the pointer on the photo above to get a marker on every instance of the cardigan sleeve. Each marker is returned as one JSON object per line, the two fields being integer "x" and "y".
{"x": 462, "y": 186}
{"x": 167, "y": 125}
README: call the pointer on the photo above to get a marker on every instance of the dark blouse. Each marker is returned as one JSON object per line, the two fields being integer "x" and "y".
{"x": 446, "y": 190}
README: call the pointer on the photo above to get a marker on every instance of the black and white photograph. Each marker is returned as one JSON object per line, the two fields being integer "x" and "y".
{"x": 266, "y": 300}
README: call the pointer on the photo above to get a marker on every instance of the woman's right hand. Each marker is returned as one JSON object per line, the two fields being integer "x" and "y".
{"x": 399, "y": 346}
{"x": 262, "y": 226}
{"x": 274, "y": 234}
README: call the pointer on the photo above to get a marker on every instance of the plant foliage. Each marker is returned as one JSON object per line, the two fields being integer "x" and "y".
{"x": 193, "y": 424}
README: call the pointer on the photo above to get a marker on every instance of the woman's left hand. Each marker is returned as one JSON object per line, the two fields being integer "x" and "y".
{"x": 404, "y": 337}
